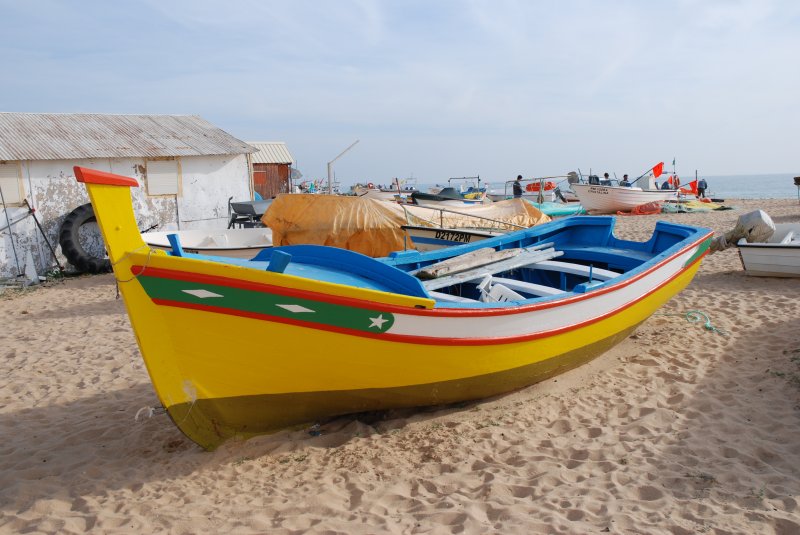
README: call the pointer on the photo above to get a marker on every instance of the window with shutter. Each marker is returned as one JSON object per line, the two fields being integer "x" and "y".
{"x": 11, "y": 182}
{"x": 163, "y": 177}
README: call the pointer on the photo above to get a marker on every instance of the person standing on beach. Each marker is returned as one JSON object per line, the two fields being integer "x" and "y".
{"x": 702, "y": 185}
{"x": 518, "y": 187}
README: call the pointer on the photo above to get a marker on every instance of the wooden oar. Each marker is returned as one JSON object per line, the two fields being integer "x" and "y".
{"x": 457, "y": 264}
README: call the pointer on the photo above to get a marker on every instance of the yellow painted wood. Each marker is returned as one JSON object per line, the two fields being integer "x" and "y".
{"x": 222, "y": 376}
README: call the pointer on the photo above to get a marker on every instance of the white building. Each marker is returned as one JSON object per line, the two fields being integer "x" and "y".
{"x": 187, "y": 170}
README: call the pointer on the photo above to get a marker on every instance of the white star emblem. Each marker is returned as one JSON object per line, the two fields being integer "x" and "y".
{"x": 378, "y": 322}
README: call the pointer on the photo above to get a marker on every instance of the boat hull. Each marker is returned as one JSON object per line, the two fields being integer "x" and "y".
{"x": 430, "y": 239}
{"x": 234, "y": 243}
{"x": 613, "y": 199}
{"x": 235, "y": 351}
{"x": 246, "y": 416}
{"x": 773, "y": 258}
{"x": 219, "y": 387}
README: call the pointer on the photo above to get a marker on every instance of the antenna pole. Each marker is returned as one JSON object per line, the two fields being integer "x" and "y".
{"x": 330, "y": 167}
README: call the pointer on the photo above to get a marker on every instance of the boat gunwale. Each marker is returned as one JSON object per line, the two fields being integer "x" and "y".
{"x": 548, "y": 302}
{"x": 766, "y": 245}
{"x": 432, "y": 340}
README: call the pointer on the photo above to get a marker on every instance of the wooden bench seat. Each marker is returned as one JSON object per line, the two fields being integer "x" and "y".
{"x": 575, "y": 269}
{"x": 539, "y": 290}
{"x": 524, "y": 259}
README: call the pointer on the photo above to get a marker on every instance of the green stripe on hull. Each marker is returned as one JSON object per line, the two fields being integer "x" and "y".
{"x": 248, "y": 301}
{"x": 210, "y": 422}
{"x": 700, "y": 252}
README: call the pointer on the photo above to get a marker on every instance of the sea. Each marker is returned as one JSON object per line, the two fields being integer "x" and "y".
{"x": 779, "y": 186}
{"x": 767, "y": 186}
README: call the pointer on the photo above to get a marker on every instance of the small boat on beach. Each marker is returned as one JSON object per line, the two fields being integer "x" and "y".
{"x": 779, "y": 256}
{"x": 610, "y": 199}
{"x": 558, "y": 209}
{"x": 539, "y": 190}
{"x": 448, "y": 197}
{"x": 432, "y": 238}
{"x": 467, "y": 226}
{"x": 236, "y": 243}
{"x": 347, "y": 333}
{"x": 429, "y": 238}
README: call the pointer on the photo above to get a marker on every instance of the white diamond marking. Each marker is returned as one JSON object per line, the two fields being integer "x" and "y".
{"x": 202, "y": 294}
{"x": 295, "y": 308}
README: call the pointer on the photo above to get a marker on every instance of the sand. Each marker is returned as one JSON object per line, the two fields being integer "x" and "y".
{"x": 679, "y": 429}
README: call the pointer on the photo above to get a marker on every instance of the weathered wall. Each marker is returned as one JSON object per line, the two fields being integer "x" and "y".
{"x": 50, "y": 186}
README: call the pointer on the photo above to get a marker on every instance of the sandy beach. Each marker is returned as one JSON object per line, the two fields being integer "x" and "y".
{"x": 681, "y": 429}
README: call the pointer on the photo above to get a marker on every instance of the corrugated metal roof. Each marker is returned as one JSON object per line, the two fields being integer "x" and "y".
{"x": 61, "y": 136}
{"x": 271, "y": 152}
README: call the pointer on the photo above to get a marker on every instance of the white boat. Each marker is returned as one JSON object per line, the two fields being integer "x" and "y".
{"x": 777, "y": 257}
{"x": 236, "y": 243}
{"x": 431, "y": 238}
{"x": 599, "y": 199}
{"x": 533, "y": 196}
{"x": 449, "y": 197}
{"x": 444, "y": 227}
{"x": 348, "y": 333}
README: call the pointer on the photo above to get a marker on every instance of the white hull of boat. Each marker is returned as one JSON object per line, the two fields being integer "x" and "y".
{"x": 613, "y": 199}
{"x": 548, "y": 196}
{"x": 778, "y": 257}
{"x": 430, "y": 239}
{"x": 235, "y": 243}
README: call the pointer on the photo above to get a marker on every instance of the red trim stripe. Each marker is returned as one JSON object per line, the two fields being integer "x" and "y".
{"x": 263, "y": 288}
{"x": 411, "y": 339}
{"x": 398, "y": 309}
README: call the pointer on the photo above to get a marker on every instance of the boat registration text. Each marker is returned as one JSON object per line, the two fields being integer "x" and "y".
{"x": 600, "y": 190}
{"x": 450, "y": 235}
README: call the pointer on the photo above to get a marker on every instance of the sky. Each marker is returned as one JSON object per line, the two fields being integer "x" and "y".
{"x": 433, "y": 90}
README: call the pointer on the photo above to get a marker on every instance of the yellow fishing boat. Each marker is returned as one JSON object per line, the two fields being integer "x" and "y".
{"x": 300, "y": 333}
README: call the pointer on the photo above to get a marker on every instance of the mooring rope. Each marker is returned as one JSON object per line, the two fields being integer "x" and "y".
{"x": 129, "y": 253}
{"x": 135, "y": 275}
{"x": 695, "y": 316}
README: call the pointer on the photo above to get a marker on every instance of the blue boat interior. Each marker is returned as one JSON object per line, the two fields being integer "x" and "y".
{"x": 572, "y": 255}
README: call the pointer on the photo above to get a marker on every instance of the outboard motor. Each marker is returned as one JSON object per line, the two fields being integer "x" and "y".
{"x": 753, "y": 227}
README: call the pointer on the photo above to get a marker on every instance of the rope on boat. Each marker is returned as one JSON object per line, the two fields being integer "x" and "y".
{"x": 126, "y": 255}
{"x": 135, "y": 275}
{"x": 695, "y": 316}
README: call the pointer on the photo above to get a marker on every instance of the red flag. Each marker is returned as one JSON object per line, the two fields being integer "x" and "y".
{"x": 690, "y": 188}
{"x": 658, "y": 169}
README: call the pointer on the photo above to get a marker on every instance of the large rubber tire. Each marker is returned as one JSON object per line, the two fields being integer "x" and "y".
{"x": 68, "y": 238}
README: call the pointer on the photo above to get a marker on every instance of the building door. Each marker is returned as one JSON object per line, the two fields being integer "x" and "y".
{"x": 260, "y": 184}
{"x": 270, "y": 179}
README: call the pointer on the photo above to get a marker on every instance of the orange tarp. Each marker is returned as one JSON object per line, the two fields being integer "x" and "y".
{"x": 650, "y": 208}
{"x": 372, "y": 227}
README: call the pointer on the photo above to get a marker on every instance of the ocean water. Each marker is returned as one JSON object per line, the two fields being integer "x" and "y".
{"x": 780, "y": 186}
{"x": 774, "y": 186}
